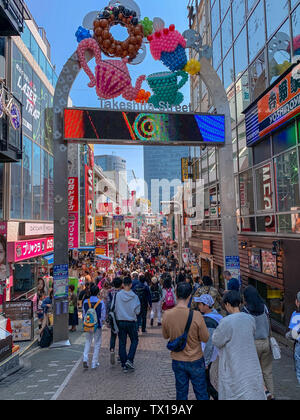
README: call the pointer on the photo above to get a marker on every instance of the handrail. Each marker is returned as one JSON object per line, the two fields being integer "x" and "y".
{"x": 33, "y": 291}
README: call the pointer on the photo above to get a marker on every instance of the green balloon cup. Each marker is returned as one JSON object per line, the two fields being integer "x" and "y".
{"x": 165, "y": 87}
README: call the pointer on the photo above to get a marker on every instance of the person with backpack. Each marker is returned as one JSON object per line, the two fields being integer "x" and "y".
{"x": 212, "y": 319}
{"x": 94, "y": 314}
{"x": 143, "y": 293}
{"x": 46, "y": 331}
{"x": 168, "y": 297}
{"x": 156, "y": 296}
{"x": 186, "y": 330}
{"x": 127, "y": 308}
{"x": 294, "y": 335}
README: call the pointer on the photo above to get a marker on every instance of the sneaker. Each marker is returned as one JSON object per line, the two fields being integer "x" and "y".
{"x": 151, "y": 323}
{"x": 125, "y": 370}
{"x": 96, "y": 366}
{"x": 112, "y": 358}
{"x": 129, "y": 365}
{"x": 159, "y": 324}
{"x": 118, "y": 360}
{"x": 85, "y": 365}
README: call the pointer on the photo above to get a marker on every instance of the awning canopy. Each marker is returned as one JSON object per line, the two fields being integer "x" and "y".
{"x": 49, "y": 258}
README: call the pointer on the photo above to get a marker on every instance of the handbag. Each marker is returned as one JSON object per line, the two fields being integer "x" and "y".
{"x": 112, "y": 321}
{"x": 179, "y": 343}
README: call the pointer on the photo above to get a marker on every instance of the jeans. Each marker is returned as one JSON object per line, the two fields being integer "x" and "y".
{"x": 113, "y": 338}
{"x": 156, "y": 310}
{"x": 142, "y": 319}
{"x": 297, "y": 361}
{"x": 190, "y": 371}
{"x": 89, "y": 336}
{"x": 127, "y": 328}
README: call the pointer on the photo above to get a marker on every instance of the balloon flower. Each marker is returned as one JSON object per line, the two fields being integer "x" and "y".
{"x": 82, "y": 34}
{"x": 193, "y": 67}
{"x": 142, "y": 97}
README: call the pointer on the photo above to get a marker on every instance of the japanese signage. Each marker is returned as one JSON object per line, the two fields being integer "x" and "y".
{"x": 99, "y": 221}
{"x": 61, "y": 281}
{"x": 73, "y": 230}
{"x": 23, "y": 250}
{"x": 267, "y": 191}
{"x": 89, "y": 205}
{"x": 32, "y": 229}
{"x": 73, "y": 194}
{"x": 21, "y": 315}
{"x": 184, "y": 169}
{"x": 277, "y": 106}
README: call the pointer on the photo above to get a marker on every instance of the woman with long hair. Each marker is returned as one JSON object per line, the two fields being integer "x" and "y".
{"x": 255, "y": 306}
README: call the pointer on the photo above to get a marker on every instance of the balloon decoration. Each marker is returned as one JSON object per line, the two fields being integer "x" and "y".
{"x": 111, "y": 77}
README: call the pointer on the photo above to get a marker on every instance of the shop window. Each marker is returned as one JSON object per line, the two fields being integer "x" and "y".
{"x": 289, "y": 223}
{"x": 248, "y": 224}
{"x": 264, "y": 189}
{"x": 258, "y": 77}
{"x": 262, "y": 151}
{"x": 266, "y": 224}
{"x": 287, "y": 181}
{"x": 284, "y": 139}
{"x": 246, "y": 193}
{"x": 273, "y": 297}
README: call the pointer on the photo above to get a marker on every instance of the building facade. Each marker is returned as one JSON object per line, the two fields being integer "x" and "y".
{"x": 254, "y": 47}
{"x": 26, "y": 184}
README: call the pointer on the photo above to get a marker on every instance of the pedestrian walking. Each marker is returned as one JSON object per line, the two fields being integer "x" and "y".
{"x": 168, "y": 297}
{"x": 93, "y": 315}
{"x": 156, "y": 297}
{"x": 188, "y": 363}
{"x": 212, "y": 319}
{"x": 255, "y": 306}
{"x": 144, "y": 295}
{"x": 207, "y": 288}
{"x": 294, "y": 335}
{"x": 73, "y": 310}
{"x": 127, "y": 308}
{"x": 240, "y": 375}
{"x": 111, "y": 305}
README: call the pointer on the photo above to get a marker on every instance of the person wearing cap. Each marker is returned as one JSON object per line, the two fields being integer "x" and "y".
{"x": 212, "y": 319}
{"x": 294, "y": 334}
{"x": 156, "y": 296}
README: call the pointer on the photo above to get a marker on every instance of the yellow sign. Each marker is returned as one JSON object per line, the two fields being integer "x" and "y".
{"x": 184, "y": 169}
{"x": 99, "y": 221}
{"x": 100, "y": 251}
{"x": 116, "y": 233}
{"x": 196, "y": 169}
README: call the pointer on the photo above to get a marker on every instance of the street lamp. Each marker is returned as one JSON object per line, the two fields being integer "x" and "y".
{"x": 179, "y": 230}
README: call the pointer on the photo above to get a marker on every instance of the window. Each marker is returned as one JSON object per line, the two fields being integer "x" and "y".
{"x": 217, "y": 56}
{"x": 258, "y": 77}
{"x": 2, "y": 59}
{"x": 27, "y": 179}
{"x": 215, "y": 17}
{"x": 264, "y": 189}
{"x": 238, "y": 7}
{"x": 45, "y": 185}
{"x": 1, "y": 189}
{"x": 226, "y": 33}
{"x": 51, "y": 186}
{"x": 241, "y": 60}
{"x": 287, "y": 181}
{"x": 284, "y": 139}
{"x": 262, "y": 151}
{"x": 274, "y": 18}
{"x": 16, "y": 187}
{"x": 246, "y": 193}
{"x": 36, "y": 182}
{"x": 256, "y": 31}
{"x": 279, "y": 52}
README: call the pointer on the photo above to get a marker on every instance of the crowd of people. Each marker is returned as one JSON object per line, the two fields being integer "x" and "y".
{"x": 220, "y": 340}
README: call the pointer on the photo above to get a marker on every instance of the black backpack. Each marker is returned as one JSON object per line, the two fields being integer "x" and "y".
{"x": 47, "y": 337}
{"x": 140, "y": 291}
{"x": 210, "y": 323}
{"x": 155, "y": 295}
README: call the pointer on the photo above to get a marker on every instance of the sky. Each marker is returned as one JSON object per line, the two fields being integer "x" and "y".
{"x": 61, "y": 18}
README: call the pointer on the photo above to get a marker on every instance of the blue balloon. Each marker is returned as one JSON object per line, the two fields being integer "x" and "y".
{"x": 82, "y": 34}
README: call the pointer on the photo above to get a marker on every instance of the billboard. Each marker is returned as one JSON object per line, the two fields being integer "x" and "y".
{"x": 280, "y": 103}
{"x": 100, "y": 126}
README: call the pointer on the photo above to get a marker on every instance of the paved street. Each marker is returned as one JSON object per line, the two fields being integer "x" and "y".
{"x": 46, "y": 374}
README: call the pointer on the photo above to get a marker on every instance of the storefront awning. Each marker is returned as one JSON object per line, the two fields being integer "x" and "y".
{"x": 49, "y": 258}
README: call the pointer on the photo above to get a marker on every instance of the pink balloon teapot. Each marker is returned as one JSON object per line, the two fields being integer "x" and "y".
{"x": 112, "y": 77}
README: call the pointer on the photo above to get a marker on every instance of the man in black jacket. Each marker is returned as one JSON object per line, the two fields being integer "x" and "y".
{"x": 144, "y": 295}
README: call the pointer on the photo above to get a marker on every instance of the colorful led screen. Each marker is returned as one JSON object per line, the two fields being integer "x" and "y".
{"x": 97, "y": 126}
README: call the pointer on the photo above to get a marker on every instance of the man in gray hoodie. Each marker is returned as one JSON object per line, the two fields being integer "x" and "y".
{"x": 127, "y": 308}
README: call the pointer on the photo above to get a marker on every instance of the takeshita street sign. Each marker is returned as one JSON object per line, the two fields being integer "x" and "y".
{"x": 85, "y": 125}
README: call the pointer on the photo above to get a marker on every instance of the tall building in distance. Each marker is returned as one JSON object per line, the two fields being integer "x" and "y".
{"x": 162, "y": 163}
{"x": 254, "y": 45}
{"x": 111, "y": 163}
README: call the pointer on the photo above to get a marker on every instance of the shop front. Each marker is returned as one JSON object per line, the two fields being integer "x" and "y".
{"x": 27, "y": 261}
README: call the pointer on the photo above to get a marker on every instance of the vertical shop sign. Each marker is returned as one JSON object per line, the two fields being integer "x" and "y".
{"x": 268, "y": 204}
{"x": 89, "y": 205}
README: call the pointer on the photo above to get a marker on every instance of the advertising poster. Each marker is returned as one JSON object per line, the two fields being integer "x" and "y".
{"x": 4, "y": 271}
{"x": 21, "y": 315}
{"x": 61, "y": 281}
{"x": 233, "y": 265}
{"x": 269, "y": 263}
{"x": 73, "y": 230}
{"x": 255, "y": 259}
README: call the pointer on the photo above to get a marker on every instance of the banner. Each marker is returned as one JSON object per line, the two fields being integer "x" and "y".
{"x": 89, "y": 205}
{"x": 23, "y": 250}
{"x": 73, "y": 230}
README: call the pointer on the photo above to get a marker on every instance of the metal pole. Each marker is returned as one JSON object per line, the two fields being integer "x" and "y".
{"x": 179, "y": 240}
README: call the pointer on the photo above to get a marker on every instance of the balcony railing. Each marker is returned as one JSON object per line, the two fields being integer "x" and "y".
{"x": 15, "y": 13}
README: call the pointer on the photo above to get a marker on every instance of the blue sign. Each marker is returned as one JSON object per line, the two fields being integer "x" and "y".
{"x": 61, "y": 281}
{"x": 233, "y": 265}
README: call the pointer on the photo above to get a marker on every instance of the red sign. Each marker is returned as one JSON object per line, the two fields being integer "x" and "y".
{"x": 73, "y": 230}
{"x": 101, "y": 235}
{"x": 23, "y": 250}
{"x": 73, "y": 194}
{"x": 105, "y": 208}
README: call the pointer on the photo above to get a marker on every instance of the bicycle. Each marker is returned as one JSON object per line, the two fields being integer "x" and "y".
{"x": 11, "y": 109}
